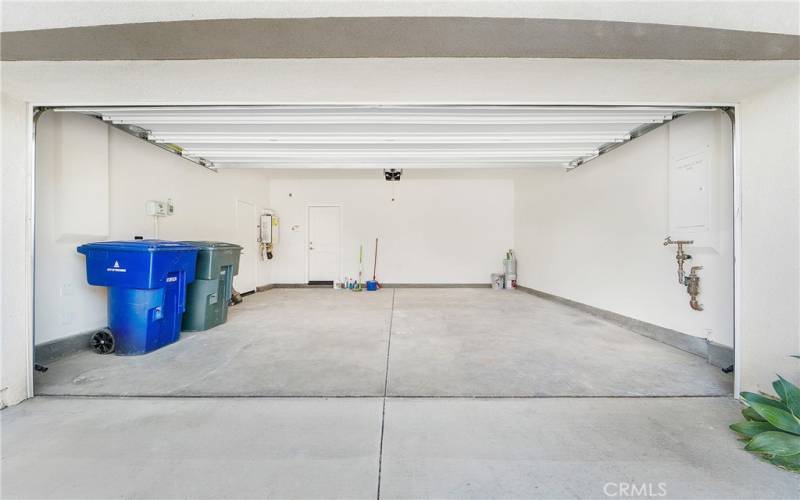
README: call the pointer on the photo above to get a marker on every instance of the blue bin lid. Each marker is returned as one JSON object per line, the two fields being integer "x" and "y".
{"x": 139, "y": 246}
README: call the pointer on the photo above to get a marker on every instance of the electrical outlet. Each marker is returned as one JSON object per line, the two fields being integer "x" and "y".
{"x": 156, "y": 208}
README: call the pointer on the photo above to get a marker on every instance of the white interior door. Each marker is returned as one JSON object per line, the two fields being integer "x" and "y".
{"x": 324, "y": 245}
{"x": 246, "y": 237}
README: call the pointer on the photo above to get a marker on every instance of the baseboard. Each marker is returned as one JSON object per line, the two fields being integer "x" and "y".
{"x": 264, "y": 288}
{"x": 719, "y": 355}
{"x": 48, "y": 352}
{"x": 436, "y": 285}
{"x": 716, "y": 354}
{"x": 383, "y": 285}
{"x": 299, "y": 285}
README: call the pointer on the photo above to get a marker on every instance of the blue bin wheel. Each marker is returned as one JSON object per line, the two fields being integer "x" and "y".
{"x": 103, "y": 341}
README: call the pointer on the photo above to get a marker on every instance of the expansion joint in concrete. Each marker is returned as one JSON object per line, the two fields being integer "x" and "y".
{"x": 385, "y": 392}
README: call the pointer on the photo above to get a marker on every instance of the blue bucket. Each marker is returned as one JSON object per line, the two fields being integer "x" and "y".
{"x": 372, "y": 285}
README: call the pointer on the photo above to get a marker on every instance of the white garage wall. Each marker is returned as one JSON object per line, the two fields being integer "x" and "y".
{"x": 15, "y": 367}
{"x": 594, "y": 235}
{"x": 770, "y": 159}
{"x": 442, "y": 227}
{"x": 72, "y": 207}
{"x": 130, "y": 172}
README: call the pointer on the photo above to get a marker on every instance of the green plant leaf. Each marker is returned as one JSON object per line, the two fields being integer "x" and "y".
{"x": 791, "y": 396}
{"x": 778, "y": 386}
{"x": 752, "y": 397}
{"x": 792, "y": 462}
{"x": 781, "y": 419}
{"x": 751, "y": 429}
{"x": 776, "y": 443}
{"x": 752, "y": 415}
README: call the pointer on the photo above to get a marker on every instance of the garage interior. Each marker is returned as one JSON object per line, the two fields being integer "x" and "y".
{"x": 592, "y": 315}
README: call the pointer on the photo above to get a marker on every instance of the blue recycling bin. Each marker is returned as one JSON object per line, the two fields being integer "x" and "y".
{"x": 146, "y": 282}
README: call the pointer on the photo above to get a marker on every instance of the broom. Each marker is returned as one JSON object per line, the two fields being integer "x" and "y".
{"x": 374, "y": 268}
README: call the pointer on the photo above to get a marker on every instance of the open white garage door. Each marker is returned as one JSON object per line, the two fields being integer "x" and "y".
{"x": 387, "y": 136}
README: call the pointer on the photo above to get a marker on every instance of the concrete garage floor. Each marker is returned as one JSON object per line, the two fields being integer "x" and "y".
{"x": 444, "y": 342}
{"x": 482, "y": 399}
{"x": 331, "y": 448}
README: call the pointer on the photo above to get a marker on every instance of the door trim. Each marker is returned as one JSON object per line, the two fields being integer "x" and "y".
{"x": 308, "y": 227}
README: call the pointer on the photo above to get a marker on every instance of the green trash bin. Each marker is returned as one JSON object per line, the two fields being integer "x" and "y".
{"x": 208, "y": 296}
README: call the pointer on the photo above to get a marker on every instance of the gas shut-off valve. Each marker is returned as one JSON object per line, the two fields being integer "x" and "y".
{"x": 692, "y": 281}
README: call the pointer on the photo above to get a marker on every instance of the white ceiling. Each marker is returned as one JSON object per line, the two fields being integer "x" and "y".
{"x": 386, "y": 136}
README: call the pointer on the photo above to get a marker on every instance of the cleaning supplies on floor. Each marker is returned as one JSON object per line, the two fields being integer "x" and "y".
{"x": 358, "y": 285}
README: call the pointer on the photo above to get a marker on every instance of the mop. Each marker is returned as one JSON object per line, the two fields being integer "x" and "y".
{"x": 358, "y": 287}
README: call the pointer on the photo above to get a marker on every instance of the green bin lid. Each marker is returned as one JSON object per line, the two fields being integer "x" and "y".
{"x": 212, "y": 245}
